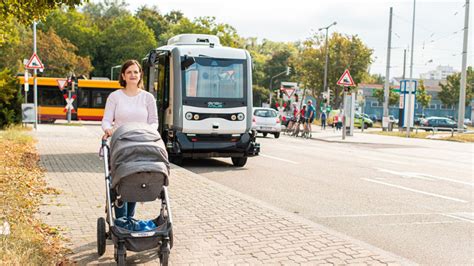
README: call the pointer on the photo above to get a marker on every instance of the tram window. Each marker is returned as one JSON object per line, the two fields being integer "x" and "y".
{"x": 84, "y": 98}
{"x": 51, "y": 96}
{"x": 99, "y": 98}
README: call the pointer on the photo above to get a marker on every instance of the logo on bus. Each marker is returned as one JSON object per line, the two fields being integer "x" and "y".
{"x": 215, "y": 105}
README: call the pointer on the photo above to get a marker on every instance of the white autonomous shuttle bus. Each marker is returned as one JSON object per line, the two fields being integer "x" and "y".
{"x": 204, "y": 97}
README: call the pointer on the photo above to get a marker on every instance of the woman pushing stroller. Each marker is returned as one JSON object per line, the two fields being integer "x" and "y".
{"x": 126, "y": 105}
{"x": 136, "y": 171}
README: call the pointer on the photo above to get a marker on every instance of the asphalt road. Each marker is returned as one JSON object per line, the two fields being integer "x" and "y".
{"x": 412, "y": 198}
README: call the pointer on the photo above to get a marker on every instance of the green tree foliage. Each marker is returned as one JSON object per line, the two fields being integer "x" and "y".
{"x": 76, "y": 27}
{"x": 127, "y": 38}
{"x": 10, "y": 99}
{"x": 204, "y": 25}
{"x": 24, "y": 12}
{"x": 104, "y": 13}
{"x": 155, "y": 21}
{"x": 345, "y": 52}
{"x": 374, "y": 79}
{"x": 449, "y": 93}
{"x": 422, "y": 97}
{"x": 174, "y": 16}
{"x": 393, "y": 97}
{"x": 58, "y": 56}
{"x": 260, "y": 95}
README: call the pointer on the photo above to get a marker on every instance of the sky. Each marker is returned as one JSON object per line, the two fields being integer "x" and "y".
{"x": 438, "y": 25}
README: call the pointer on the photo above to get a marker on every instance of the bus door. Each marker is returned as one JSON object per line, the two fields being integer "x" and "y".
{"x": 159, "y": 80}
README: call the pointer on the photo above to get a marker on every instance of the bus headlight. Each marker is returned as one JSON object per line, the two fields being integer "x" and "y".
{"x": 233, "y": 117}
{"x": 196, "y": 117}
{"x": 240, "y": 116}
{"x": 189, "y": 116}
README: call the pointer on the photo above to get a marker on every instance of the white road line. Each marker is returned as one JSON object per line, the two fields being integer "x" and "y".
{"x": 415, "y": 190}
{"x": 459, "y": 218}
{"x": 276, "y": 158}
{"x": 418, "y": 223}
{"x": 424, "y": 176}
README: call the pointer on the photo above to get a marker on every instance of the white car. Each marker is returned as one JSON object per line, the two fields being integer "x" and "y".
{"x": 265, "y": 120}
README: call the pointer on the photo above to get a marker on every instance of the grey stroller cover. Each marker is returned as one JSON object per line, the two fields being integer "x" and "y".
{"x": 139, "y": 163}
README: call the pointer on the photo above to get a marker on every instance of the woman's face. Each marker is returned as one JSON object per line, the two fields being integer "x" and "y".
{"x": 132, "y": 75}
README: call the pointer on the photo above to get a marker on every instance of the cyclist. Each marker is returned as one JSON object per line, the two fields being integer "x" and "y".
{"x": 309, "y": 117}
{"x": 300, "y": 121}
{"x": 294, "y": 118}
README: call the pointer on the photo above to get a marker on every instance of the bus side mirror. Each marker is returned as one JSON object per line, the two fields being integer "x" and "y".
{"x": 187, "y": 62}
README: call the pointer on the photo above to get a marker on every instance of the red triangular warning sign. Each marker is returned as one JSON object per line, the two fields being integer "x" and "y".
{"x": 61, "y": 83}
{"x": 34, "y": 62}
{"x": 289, "y": 91}
{"x": 346, "y": 79}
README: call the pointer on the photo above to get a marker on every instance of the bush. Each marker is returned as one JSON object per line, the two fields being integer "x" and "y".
{"x": 10, "y": 99}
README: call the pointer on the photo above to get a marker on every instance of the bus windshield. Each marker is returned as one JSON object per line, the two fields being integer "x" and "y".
{"x": 215, "y": 78}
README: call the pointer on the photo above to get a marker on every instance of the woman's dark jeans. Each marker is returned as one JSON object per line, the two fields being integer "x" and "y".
{"x": 127, "y": 210}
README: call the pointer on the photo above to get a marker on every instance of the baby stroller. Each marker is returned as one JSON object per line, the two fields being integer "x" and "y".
{"x": 136, "y": 170}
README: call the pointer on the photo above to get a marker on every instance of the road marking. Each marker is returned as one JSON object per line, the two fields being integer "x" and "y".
{"x": 418, "y": 223}
{"x": 415, "y": 190}
{"x": 459, "y": 218}
{"x": 276, "y": 158}
{"x": 424, "y": 176}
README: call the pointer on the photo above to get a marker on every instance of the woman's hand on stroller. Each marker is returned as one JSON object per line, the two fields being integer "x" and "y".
{"x": 107, "y": 133}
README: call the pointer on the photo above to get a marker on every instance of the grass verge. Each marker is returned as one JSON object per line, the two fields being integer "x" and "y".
{"x": 22, "y": 187}
{"x": 463, "y": 137}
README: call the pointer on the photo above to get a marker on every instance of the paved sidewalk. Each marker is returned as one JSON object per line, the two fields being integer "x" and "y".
{"x": 213, "y": 224}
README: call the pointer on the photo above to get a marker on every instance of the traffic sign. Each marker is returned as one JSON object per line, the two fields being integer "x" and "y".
{"x": 346, "y": 79}
{"x": 289, "y": 91}
{"x": 69, "y": 102}
{"x": 61, "y": 83}
{"x": 34, "y": 62}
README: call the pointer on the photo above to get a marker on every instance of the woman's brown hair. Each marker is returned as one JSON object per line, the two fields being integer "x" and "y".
{"x": 126, "y": 65}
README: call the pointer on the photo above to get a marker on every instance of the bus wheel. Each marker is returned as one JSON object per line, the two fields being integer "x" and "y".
{"x": 239, "y": 161}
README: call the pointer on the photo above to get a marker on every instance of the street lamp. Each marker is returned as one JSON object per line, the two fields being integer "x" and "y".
{"x": 326, "y": 88}
{"x": 112, "y": 71}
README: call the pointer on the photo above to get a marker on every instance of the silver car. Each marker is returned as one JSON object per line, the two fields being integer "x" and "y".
{"x": 265, "y": 120}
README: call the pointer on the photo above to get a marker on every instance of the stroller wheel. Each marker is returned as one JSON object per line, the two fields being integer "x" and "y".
{"x": 120, "y": 254}
{"x": 101, "y": 236}
{"x": 171, "y": 238}
{"x": 164, "y": 253}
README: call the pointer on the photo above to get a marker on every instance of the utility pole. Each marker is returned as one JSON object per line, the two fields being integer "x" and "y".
{"x": 404, "y": 62}
{"x": 410, "y": 88}
{"x": 386, "y": 91}
{"x": 35, "y": 82}
{"x": 462, "y": 93}
{"x": 326, "y": 88}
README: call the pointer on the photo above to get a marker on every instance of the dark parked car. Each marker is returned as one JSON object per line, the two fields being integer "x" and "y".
{"x": 440, "y": 123}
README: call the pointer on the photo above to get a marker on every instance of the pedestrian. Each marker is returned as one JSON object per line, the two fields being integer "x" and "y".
{"x": 323, "y": 120}
{"x": 129, "y": 104}
{"x": 309, "y": 115}
{"x": 336, "y": 122}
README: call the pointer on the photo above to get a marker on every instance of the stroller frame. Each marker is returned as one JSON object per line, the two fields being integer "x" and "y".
{"x": 162, "y": 236}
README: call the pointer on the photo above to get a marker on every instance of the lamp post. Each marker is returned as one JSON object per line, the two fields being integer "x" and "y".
{"x": 326, "y": 88}
{"x": 112, "y": 71}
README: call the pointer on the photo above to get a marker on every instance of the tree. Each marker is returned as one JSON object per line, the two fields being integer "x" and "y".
{"x": 393, "y": 97}
{"x": 58, "y": 56}
{"x": 25, "y": 12}
{"x": 374, "y": 79}
{"x": 104, "y": 13}
{"x": 204, "y": 25}
{"x": 422, "y": 97}
{"x": 127, "y": 38}
{"x": 449, "y": 94}
{"x": 10, "y": 99}
{"x": 154, "y": 20}
{"x": 74, "y": 26}
{"x": 345, "y": 52}
{"x": 260, "y": 95}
